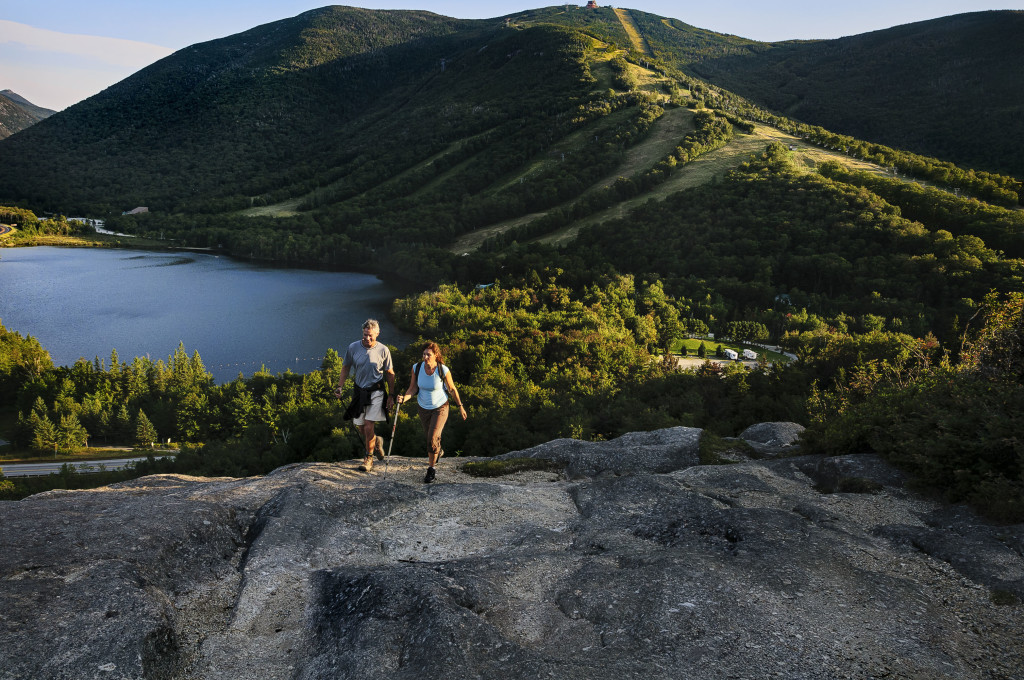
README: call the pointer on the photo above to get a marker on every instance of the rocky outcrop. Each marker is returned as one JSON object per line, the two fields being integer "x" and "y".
{"x": 772, "y": 439}
{"x": 636, "y": 563}
{"x": 660, "y": 451}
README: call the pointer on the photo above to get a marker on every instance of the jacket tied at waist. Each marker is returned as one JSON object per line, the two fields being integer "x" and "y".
{"x": 362, "y": 397}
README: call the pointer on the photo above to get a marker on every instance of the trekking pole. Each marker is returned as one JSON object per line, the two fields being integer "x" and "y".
{"x": 394, "y": 426}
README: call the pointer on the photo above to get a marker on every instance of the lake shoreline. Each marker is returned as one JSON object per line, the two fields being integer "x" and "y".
{"x": 239, "y": 314}
{"x": 407, "y": 286}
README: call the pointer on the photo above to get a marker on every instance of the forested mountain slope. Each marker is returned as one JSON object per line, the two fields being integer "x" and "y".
{"x": 240, "y": 115}
{"x": 284, "y": 111}
{"x": 287, "y": 107}
{"x": 951, "y": 87}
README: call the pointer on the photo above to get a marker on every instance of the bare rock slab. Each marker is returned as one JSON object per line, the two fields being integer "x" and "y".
{"x": 639, "y": 563}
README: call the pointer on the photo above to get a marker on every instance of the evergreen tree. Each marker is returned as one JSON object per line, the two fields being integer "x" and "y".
{"x": 191, "y": 415}
{"x": 243, "y": 409}
{"x": 44, "y": 433}
{"x": 331, "y": 367}
{"x": 122, "y": 427}
{"x": 145, "y": 433}
{"x": 71, "y": 434}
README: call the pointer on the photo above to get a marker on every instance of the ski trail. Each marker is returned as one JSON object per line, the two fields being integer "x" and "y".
{"x": 629, "y": 26}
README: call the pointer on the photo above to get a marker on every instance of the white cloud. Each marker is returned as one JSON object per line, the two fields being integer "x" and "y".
{"x": 55, "y": 70}
{"x": 108, "y": 50}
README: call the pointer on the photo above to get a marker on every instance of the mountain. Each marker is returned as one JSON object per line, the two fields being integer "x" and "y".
{"x": 635, "y": 562}
{"x": 286, "y": 107}
{"x": 437, "y": 149}
{"x": 37, "y": 111}
{"x": 344, "y": 95}
{"x": 18, "y": 113}
{"x": 949, "y": 88}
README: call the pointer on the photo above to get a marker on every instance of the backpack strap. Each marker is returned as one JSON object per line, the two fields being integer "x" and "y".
{"x": 438, "y": 372}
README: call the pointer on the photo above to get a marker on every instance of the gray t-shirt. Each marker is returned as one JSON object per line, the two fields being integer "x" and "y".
{"x": 367, "y": 365}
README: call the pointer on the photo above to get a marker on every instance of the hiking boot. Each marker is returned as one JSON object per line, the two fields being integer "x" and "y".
{"x": 430, "y": 476}
{"x": 378, "y": 449}
{"x": 367, "y": 465}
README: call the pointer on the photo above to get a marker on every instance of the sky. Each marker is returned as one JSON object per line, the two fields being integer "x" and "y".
{"x": 58, "y": 52}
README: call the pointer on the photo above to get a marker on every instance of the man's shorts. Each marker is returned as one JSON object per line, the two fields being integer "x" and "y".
{"x": 374, "y": 412}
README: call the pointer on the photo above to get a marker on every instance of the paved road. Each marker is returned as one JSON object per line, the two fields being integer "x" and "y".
{"x": 32, "y": 469}
{"x": 5, "y": 229}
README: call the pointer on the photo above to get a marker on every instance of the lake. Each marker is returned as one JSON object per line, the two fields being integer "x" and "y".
{"x": 84, "y": 302}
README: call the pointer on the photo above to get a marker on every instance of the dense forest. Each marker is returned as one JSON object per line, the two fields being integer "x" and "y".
{"x": 769, "y": 239}
{"x": 535, "y": 361}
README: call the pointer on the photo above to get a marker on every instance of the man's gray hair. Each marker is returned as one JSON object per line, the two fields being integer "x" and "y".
{"x": 371, "y": 323}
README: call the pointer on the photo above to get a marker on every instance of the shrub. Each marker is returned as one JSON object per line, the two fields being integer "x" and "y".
{"x": 954, "y": 429}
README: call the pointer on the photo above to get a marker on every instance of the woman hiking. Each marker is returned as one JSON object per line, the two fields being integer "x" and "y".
{"x": 431, "y": 382}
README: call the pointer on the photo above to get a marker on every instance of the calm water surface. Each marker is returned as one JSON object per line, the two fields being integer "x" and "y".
{"x": 85, "y": 302}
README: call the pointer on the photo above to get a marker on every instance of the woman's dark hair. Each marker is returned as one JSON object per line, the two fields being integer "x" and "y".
{"x": 432, "y": 346}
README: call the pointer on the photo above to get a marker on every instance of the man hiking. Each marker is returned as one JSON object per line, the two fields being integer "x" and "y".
{"x": 373, "y": 378}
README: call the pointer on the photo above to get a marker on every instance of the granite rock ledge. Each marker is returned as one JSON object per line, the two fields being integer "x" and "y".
{"x": 638, "y": 562}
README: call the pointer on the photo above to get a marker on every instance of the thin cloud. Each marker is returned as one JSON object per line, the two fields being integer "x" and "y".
{"x": 55, "y": 70}
{"x": 114, "y": 51}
